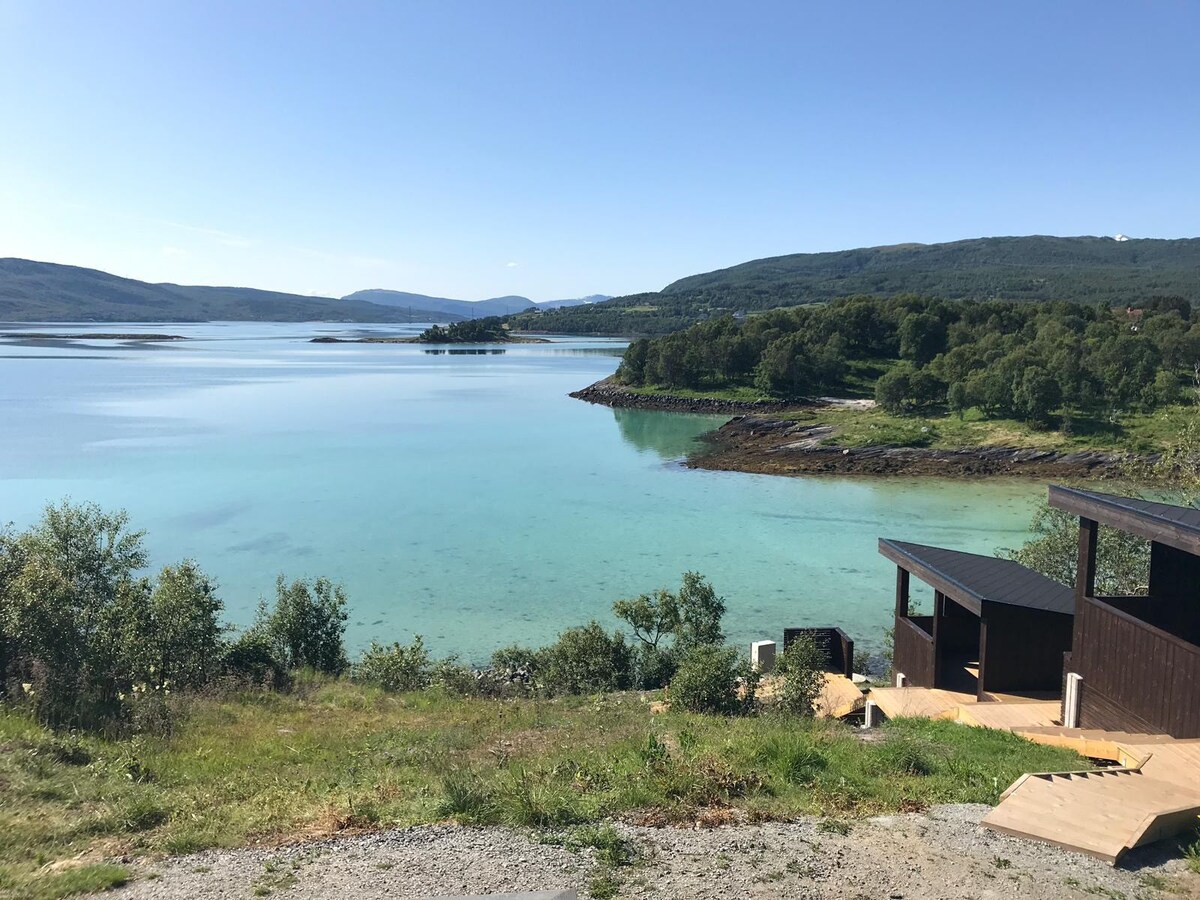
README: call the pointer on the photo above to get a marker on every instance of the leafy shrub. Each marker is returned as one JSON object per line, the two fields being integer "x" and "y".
{"x": 586, "y": 660}
{"x": 68, "y": 592}
{"x": 515, "y": 660}
{"x": 653, "y": 667}
{"x": 251, "y": 657}
{"x": 802, "y": 667}
{"x": 307, "y": 624}
{"x": 395, "y": 668}
{"x": 708, "y": 679}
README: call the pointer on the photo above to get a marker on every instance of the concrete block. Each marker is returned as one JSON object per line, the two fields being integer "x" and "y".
{"x": 762, "y": 656}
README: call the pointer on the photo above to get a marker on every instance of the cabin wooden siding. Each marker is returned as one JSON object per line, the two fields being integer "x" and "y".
{"x": 1135, "y": 675}
{"x": 912, "y": 651}
{"x": 1022, "y": 649}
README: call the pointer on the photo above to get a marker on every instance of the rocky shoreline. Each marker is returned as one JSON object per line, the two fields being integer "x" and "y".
{"x": 770, "y": 446}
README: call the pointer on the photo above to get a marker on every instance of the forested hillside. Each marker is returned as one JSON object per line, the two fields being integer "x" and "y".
{"x": 47, "y": 292}
{"x": 1080, "y": 269}
{"x": 1034, "y": 362}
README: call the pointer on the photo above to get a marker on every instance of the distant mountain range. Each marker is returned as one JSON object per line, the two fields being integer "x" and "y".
{"x": 470, "y": 309}
{"x": 33, "y": 291}
{"x": 1115, "y": 271}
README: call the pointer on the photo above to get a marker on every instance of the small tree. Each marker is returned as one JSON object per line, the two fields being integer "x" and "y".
{"x": 1035, "y": 395}
{"x": 69, "y": 587}
{"x": 802, "y": 667}
{"x": 893, "y": 389}
{"x": 175, "y": 638}
{"x": 307, "y": 624}
{"x": 1122, "y": 560}
{"x": 958, "y": 398}
{"x": 700, "y": 614}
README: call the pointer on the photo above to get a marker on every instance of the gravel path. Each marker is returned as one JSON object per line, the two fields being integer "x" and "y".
{"x": 943, "y": 855}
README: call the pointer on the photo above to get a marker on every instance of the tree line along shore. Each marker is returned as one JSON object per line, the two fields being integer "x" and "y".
{"x": 953, "y": 384}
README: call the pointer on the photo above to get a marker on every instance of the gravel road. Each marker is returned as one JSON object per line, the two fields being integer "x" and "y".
{"x": 942, "y": 855}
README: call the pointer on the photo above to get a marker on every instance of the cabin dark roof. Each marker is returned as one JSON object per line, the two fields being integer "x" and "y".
{"x": 1175, "y": 526}
{"x": 972, "y": 580}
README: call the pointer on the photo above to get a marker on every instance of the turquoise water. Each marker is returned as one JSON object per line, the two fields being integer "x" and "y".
{"x": 458, "y": 495}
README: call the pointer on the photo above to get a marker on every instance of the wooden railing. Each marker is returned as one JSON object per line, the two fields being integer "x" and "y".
{"x": 912, "y": 652}
{"x": 1135, "y": 675}
{"x": 836, "y": 644}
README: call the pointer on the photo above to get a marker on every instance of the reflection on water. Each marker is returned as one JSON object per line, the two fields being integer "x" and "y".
{"x": 463, "y": 351}
{"x": 670, "y": 435}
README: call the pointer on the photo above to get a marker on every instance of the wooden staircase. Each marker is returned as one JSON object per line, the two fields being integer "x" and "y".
{"x": 1106, "y": 812}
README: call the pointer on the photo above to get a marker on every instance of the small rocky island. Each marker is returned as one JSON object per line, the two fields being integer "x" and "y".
{"x": 491, "y": 330}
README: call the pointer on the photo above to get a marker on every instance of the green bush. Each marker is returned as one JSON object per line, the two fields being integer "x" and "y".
{"x": 802, "y": 667}
{"x": 307, "y": 624}
{"x": 586, "y": 660}
{"x": 251, "y": 657}
{"x": 708, "y": 680}
{"x": 395, "y": 668}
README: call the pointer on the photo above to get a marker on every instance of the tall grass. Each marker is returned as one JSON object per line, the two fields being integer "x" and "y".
{"x": 338, "y": 757}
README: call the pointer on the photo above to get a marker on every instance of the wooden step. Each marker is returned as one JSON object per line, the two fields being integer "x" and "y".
{"x": 1100, "y": 813}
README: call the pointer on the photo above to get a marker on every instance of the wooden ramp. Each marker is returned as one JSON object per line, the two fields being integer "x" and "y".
{"x": 840, "y": 697}
{"x": 919, "y": 702}
{"x": 1102, "y": 813}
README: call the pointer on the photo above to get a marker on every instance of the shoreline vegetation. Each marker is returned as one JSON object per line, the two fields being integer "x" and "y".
{"x": 958, "y": 388}
{"x": 830, "y": 436}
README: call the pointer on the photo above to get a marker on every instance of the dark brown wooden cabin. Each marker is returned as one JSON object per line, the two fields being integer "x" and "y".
{"x": 1138, "y": 657}
{"x": 996, "y": 626}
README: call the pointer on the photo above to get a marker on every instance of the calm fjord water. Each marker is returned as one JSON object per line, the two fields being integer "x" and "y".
{"x": 458, "y": 495}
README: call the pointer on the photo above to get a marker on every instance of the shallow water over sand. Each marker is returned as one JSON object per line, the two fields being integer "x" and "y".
{"x": 462, "y": 496}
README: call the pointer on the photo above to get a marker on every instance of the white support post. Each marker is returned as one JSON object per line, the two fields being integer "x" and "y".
{"x": 1071, "y": 700}
{"x": 871, "y": 714}
{"x": 901, "y": 679}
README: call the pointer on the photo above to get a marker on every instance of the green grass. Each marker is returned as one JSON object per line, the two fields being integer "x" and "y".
{"x": 736, "y": 393}
{"x": 1136, "y": 433}
{"x": 338, "y": 757}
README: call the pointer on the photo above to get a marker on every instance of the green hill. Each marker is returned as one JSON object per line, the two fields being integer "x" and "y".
{"x": 47, "y": 292}
{"x": 1036, "y": 268}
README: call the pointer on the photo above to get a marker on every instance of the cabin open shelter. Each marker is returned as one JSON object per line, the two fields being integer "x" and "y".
{"x": 995, "y": 627}
{"x": 1134, "y": 664}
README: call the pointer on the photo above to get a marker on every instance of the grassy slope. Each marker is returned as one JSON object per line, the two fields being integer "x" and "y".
{"x": 1130, "y": 432}
{"x": 338, "y": 757}
{"x": 1137, "y": 433}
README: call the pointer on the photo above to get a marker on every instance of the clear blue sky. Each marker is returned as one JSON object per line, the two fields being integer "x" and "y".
{"x": 559, "y": 148}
